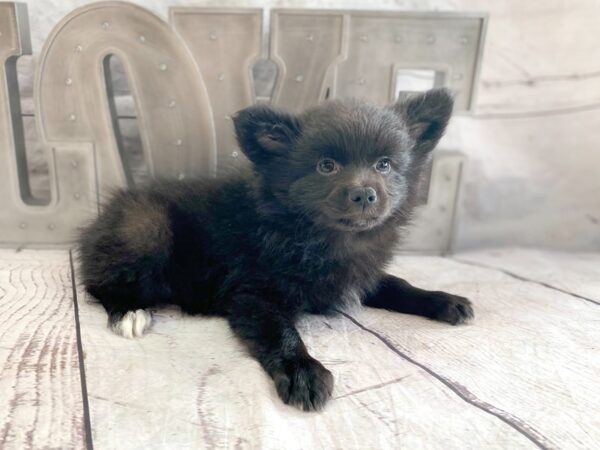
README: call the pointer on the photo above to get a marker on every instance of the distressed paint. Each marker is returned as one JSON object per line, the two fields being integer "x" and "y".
{"x": 41, "y": 403}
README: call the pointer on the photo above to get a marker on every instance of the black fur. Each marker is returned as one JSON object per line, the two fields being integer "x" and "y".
{"x": 291, "y": 236}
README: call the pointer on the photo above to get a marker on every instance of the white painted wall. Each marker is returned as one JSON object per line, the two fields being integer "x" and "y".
{"x": 533, "y": 176}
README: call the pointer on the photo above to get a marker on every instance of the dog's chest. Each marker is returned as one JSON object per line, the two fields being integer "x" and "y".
{"x": 338, "y": 283}
{"x": 319, "y": 274}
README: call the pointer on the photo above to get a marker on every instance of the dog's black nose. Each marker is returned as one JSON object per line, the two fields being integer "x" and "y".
{"x": 362, "y": 196}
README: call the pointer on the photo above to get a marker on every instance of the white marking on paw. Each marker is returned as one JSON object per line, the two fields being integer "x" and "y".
{"x": 133, "y": 324}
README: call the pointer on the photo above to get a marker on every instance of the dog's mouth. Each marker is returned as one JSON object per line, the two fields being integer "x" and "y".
{"x": 359, "y": 224}
{"x": 354, "y": 223}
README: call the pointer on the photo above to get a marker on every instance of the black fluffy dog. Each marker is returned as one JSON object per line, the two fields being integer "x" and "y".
{"x": 310, "y": 227}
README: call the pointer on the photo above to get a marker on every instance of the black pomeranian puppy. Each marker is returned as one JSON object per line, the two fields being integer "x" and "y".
{"x": 308, "y": 229}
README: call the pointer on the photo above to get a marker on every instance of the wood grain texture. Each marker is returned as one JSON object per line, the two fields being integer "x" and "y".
{"x": 575, "y": 273}
{"x": 523, "y": 375}
{"x": 40, "y": 390}
{"x": 531, "y": 351}
{"x": 190, "y": 384}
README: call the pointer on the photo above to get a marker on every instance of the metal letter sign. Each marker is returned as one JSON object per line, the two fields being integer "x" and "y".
{"x": 74, "y": 118}
{"x": 73, "y": 190}
{"x": 337, "y": 54}
{"x": 225, "y": 44}
{"x": 174, "y": 111}
{"x": 187, "y": 78}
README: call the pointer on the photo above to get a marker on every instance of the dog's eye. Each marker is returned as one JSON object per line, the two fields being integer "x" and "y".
{"x": 383, "y": 165}
{"x": 327, "y": 166}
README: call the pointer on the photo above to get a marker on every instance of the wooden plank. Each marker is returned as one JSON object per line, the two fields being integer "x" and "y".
{"x": 577, "y": 273}
{"x": 190, "y": 384}
{"x": 40, "y": 387}
{"x": 531, "y": 351}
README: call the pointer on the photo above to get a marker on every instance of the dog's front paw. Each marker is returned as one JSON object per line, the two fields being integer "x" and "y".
{"x": 451, "y": 308}
{"x": 304, "y": 383}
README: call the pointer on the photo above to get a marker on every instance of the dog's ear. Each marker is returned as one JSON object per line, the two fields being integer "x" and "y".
{"x": 264, "y": 132}
{"x": 426, "y": 116}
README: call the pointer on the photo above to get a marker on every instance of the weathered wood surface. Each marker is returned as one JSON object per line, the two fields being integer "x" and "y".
{"x": 190, "y": 384}
{"x": 575, "y": 273}
{"x": 522, "y": 375}
{"x": 40, "y": 388}
{"x": 531, "y": 352}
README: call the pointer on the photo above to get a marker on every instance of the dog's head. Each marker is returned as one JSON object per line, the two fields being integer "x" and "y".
{"x": 346, "y": 165}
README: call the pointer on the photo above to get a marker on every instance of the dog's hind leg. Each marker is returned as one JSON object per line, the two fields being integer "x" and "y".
{"x": 124, "y": 258}
{"x": 127, "y": 303}
{"x": 131, "y": 324}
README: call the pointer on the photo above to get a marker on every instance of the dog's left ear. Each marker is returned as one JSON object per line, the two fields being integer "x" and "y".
{"x": 426, "y": 116}
{"x": 264, "y": 132}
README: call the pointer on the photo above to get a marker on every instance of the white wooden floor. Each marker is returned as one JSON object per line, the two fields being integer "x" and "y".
{"x": 524, "y": 374}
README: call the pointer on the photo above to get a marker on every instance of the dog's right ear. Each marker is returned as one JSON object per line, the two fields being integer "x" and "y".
{"x": 264, "y": 132}
{"x": 426, "y": 116}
